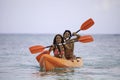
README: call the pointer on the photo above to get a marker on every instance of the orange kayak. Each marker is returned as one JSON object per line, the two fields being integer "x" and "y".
{"x": 48, "y": 62}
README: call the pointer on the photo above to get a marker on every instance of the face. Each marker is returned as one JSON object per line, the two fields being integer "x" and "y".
{"x": 67, "y": 35}
{"x": 58, "y": 39}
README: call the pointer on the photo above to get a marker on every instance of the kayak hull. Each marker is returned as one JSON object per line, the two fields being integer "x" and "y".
{"x": 48, "y": 62}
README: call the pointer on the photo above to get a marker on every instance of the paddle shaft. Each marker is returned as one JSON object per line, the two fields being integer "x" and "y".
{"x": 86, "y": 37}
{"x": 87, "y": 24}
{"x": 77, "y": 31}
{"x": 47, "y": 46}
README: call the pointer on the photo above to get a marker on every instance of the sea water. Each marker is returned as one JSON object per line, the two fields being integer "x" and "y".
{"x": 101, "y": 58}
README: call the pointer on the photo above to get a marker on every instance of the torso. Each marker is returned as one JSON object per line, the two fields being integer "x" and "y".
{"x": 57, "y": 53}
{"x": 69, "y": 50}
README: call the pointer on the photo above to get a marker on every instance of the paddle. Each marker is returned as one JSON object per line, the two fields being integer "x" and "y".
{"x": 86, "y": 25}
{"x": 39, "y": 48}
{"x": 86, "y": 39}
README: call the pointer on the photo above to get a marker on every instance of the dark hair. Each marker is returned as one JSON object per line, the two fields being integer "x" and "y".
{"x": 68, "y": 32}
{"x": 54, "y": 42}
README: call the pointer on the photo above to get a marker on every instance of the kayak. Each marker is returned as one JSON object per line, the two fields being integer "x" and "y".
{"x": 49, "y": 63}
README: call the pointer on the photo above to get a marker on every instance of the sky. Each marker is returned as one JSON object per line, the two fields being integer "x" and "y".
{"x": 56, "y": 16}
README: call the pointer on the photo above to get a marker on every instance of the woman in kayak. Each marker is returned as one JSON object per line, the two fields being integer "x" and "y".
{"x": 69, "y": 44}
{"x": 58, "y": 47}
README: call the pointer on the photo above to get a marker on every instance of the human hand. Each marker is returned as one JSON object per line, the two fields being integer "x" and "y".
{"x": 74, "y": 33}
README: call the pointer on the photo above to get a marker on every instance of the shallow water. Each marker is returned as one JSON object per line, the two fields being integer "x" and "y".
{"x": 101, "y": 58}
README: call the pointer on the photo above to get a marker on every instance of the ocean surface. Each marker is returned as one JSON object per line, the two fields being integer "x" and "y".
{"x": 101, "y": 58}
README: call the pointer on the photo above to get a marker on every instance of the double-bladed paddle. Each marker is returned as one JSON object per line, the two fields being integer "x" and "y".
{"x": 86, "y": 25}
{"x": 40, "y": 48}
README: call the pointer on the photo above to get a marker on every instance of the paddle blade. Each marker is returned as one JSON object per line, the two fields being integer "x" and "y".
{"x": 86, "y": 38}
{"x": 36, "y": 49}
{"x": 41, "y": 54}
{"x": 87, "y": 24}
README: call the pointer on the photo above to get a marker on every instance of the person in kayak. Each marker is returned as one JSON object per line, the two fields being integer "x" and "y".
{"x": 69, "y": 44}
{"x": 58, "y": 47}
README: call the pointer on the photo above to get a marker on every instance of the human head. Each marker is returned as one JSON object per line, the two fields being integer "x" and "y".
{"x": 58, "y": 39}
{"x": 67, "y": 34}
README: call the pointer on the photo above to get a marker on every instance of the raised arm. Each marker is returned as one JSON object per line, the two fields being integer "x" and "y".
{"x": 77, "y": 37}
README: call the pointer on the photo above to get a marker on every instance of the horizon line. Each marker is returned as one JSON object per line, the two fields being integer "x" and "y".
{"x": 62, "y": 33}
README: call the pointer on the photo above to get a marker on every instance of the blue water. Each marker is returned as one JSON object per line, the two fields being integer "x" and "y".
{"x": 101, "y": 58}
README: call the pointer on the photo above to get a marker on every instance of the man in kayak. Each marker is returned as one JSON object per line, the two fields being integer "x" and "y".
{"x": 69, "y": 44}
{"x": 58, "y": 47}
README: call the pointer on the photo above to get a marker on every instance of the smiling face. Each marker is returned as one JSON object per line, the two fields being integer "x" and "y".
{"x": 58, "y": 39}
{"x": 66, "y": 35}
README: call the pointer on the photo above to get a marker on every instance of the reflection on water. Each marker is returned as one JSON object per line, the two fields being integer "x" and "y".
{"x": 57, "y": 71}
{"x": 59, "y": 74}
